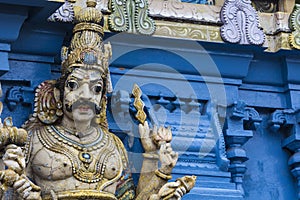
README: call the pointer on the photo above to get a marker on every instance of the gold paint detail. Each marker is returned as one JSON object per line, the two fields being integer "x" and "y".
{"x": 82, "y": 194}
{"x": 188, "y": 31}
{"x": 139, "y": 104}
{"x": 88, "y": 171}
{"x": 294, "y": 37}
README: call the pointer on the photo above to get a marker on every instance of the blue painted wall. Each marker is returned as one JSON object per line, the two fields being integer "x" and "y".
{"x": 185, "y": 82}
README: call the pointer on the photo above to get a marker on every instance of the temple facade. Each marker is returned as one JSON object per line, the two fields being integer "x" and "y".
{"x": 224, "y": 74}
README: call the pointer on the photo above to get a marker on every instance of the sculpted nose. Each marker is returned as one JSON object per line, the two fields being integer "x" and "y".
{"x": 85, "y": 92}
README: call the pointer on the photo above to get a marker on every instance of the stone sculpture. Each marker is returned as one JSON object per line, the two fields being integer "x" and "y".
{"x": 69, "y": 152}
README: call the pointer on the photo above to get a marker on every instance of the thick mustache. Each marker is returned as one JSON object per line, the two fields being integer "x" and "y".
{"x": 78, "y": 103}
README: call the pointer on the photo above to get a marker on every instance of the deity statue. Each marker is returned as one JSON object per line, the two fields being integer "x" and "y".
{"x": 68, "y": 151}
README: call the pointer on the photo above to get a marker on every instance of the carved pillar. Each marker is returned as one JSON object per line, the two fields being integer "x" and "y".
{"x": 287, "y": 123}
{"x": 241, "y": 121}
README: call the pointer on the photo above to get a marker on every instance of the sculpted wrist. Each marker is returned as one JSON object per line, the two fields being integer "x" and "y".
{"x": 162, "y": 175}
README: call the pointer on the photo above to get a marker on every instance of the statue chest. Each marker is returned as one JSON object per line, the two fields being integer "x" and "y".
{"x": 60, "y": 159}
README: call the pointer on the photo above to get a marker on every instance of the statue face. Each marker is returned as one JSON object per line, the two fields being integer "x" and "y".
{"x": 82, "y": 94}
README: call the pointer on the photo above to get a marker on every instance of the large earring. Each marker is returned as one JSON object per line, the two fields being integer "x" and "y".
{"x": 46, "y": 106}
{"x": 101, "y": 118}
{"x": 59, "y": 106}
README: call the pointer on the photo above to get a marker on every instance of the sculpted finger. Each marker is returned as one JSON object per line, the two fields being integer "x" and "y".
{"x": 177, "y": 195}
{"x": 11, "y": 146}
{"x": 179, "y": 191}
{"x": 26, "y": 192}
{"x": 19, "y": 183}
{"x": 169, "y": 134}
{"x": 183, "y": 190}
{"x": 163, "y": 148}
{"x": 10, "y": 156}
{"x": 175, "y": 158}
{"x": 25, "y": 186}
{"x": 141, "y": 130}
{"x": 174, "y": 184}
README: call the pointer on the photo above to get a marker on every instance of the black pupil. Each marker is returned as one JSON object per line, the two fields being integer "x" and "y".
{"x": 72, "y": 84}
{"x": 98, "y": 89}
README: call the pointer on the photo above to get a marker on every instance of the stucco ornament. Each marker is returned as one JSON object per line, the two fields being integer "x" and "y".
{"x": 63, "y": 14}
{"x": 294, "y": 37}
{"x": 69, "y": 152}
{"x": 240, "y": 23}
{"x": 131, "y": 16}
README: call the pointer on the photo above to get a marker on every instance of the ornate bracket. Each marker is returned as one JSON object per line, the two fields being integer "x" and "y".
{"x": 288, "y": 123}
{"x": 16, "y": 95}
{"x": 241, "y": 23}
{"x": 131, "y": 16}
{"x": 294, "y": 37}
{"x": 241, "y": 121}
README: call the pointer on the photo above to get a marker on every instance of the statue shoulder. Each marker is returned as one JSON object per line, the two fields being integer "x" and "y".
{"x": 120, "y": 146}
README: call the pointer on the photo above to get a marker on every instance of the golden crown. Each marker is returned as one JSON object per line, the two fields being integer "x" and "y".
{"x": 87, "y": 49}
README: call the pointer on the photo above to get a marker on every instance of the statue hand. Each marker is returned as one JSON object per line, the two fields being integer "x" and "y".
{"x": 26, "y": 189}
{"x": 14, "y": 159}
{"x": 152, "y": 139}
{"x": 172, "y": 191}
{"x": 168, "y": 158}
{"x": 146, "y": 137}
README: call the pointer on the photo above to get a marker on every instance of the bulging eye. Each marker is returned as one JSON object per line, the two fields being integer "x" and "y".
{"x": 72, "y": 85}
{"x": 97, "y": 88}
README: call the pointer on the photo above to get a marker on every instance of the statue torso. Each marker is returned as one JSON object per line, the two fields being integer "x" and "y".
{"x": 60, "y": 163}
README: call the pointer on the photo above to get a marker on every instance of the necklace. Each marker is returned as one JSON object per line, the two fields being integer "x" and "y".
{"x": 73, "y": 131}
{"x": 88, "y": 161}
{"x": 58, "y": 134}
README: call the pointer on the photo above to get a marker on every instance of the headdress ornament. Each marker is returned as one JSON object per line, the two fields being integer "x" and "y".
{"x": 87, "y": 49}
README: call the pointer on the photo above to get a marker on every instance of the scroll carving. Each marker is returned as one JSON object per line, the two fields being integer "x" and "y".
{"x": 64, "y": 14}
{"x": 240, "y": 23}
{"x": 131, "y": 16}
{"x": 294, "y": 37}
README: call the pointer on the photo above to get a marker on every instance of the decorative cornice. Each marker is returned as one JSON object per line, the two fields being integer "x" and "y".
{"x": 185, "y": 21}
{"x": 174, "y": 9}
{"x": 241, "y": 23}
{"x": 295, "y": 26}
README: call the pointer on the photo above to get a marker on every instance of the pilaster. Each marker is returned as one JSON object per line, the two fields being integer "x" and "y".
{"x": 241, "y": 121}
{"x": 287, "y": 123}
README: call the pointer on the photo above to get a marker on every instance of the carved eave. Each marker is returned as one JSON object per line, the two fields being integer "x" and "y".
{"x": 179, "y": 20}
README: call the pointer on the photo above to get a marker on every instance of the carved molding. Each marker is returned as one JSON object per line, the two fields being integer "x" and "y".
{"x": 64, "y": 14}
{"x": 277, "y": 32}
{"x": 188, "y": 31}
{"x": 241, "y": 23}
{"x": 277, "y": 42}
{"x": 178, "y": 10}
{"x": 295, "y": 27}
{"x": 275, "y": 22}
